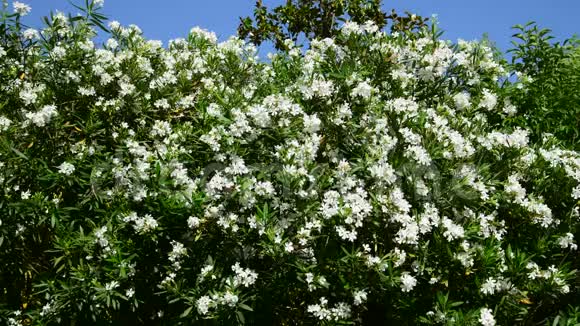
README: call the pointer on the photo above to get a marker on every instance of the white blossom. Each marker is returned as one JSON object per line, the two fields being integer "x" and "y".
{"x": 42, "y": 117}
{"x": 360, "y": 297}
{"x": 486, "y": 317}
{"x": 408, "y": 282}
{"x": 21, "y": 8}
{"x": 203, "y": 304}
{"x": 66, "y": 168}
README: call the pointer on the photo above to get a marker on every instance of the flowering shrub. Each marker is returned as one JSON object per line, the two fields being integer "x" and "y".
{"x": 360, "y": 181}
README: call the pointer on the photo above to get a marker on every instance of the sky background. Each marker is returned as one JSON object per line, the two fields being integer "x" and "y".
{"x": 465, "y": 19}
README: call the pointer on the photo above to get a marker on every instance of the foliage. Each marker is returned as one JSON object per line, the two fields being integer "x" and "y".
{"x": 318, "y": 19}
{"x": 359, "y": 182}
{"x": 548, "y": 98}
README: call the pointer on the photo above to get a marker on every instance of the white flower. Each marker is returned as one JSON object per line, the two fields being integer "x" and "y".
{"x": 4, "y": 123}
{"x": 243, "y": 276}
{"x": 489, "y": 286}
{"x": 30, "y": 34}
{"x": 193, "y": 222}
{"x": 265, "y": 188}
{"x": 162, "y": 104}
{"x": 399, "y": 257}
{"x": 363, "y": 90}
{"x": 205, "y": 271}
{"x": 339, "y": 312}
{"x": 359, "y": 297}
{"x": 25, "y": 194}
{"x": 145, "y": 224}
{"x": 111, "y": 285}
{"x": 114, "y": 25}
{"x": 320, "y": 87}
{"x": 203, "y": 304}
{"x": 99, "y": 3}
{"x": 45, "y": 309}
{"x": 408, "y": 282}
{"x": 21, "y": 8}
{"x": 452, "y": 231}
{"x": 489, "y": 100}
{"x": 343, "y": 233}
{"x": 230, "y": 299}
{"x": 404, "y": 106}
{"x": 370, "y": 26}
{"x": 213, "y": 110}
{"x": 575, "y": 191}
{"x": 288, "y": 247}
{"x": 87, "y": 91}
{"x": 310, "y": 281}
{"x": 509, "y": 108}
{"x": 350, "y": 28}
{"x": 419, "y": 154}
{"x": 112, "y": 44}
{"x": 465, "y": 259}
{"x": 514, "y": 188}
{"x": 66, "y": 168}
{"x": 42, "y": 117}
{"x": 100, "y": 235}
{"x": 567, "y": 241}
{"x": 319, "y": 310}
{"x": 311, "y": 123}
{"x": 177, "y": 251}
{"x": 58, "y": 52}
{"x": 461, "y": 101}
{"x": 486, "y": 317}
{"x": 28, "y": 95}
{"x": 142, "y": 224}
{"x": 203, "y": 34}
{"x": 384, "y": 172}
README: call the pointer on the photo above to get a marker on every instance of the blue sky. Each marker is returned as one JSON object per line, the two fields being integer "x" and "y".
{"x": 466, "y": 19}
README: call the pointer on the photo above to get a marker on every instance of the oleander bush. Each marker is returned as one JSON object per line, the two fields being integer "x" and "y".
{"x": 364, "y": 180}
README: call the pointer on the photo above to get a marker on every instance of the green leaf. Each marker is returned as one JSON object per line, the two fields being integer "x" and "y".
{"x": 100, "y": 25}
{"x": 186, "y": 312}
{"x": 241, "y": 318}
{"x": 19, "y": 153}
{"x": 245, "y": 307}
